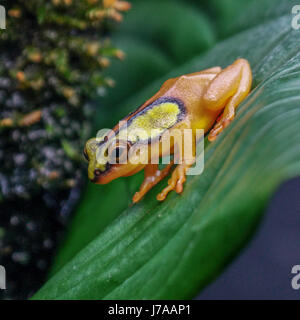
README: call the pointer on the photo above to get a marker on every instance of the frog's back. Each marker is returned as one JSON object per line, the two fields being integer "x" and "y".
{"x": 176, "y": 103}
{"x": 154, "y": 119}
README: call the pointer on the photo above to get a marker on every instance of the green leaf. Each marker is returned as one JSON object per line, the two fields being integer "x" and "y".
{"x": 96, "y": 211}
{"x": 177, "y": 28}
{"x": 171, "y": 250}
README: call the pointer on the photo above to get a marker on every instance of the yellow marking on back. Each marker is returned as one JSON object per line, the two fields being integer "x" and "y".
{"x": 153, "y": 122}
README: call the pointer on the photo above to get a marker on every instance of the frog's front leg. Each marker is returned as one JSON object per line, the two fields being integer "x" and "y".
{"x": 176, "y": 181}
{"x": 152, "y": 176}
{"x": 226, "y": 91}
{"x": 186, "y": 158}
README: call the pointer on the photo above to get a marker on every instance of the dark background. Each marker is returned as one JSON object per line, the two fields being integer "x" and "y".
{"x": 263, "y": 269}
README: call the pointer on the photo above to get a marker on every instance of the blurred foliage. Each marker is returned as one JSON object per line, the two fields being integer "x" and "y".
{"x": 172, "y": 249}
{"x": 166, "y": 24}
{"x": 52, "y": 57}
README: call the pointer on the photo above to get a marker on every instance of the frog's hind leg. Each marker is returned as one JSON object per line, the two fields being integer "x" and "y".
{"x": 213, "y": 70}
{"x": 206, "y": 74}
{"x": 226, "y": 91}
{"x": 152, "y": 176}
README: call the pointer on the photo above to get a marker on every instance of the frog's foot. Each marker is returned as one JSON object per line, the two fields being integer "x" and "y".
{"x": 175, "y": 182}
{"x": 152, "y": 176}
{"x": 221, "y": 124}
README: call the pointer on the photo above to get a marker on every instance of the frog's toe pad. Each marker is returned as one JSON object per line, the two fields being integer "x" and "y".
{"x": 137, "y": 197}
{"x": 218, "y": 128}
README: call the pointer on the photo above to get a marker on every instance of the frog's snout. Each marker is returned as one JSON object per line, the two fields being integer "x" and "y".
{"x": 99, "y": 175}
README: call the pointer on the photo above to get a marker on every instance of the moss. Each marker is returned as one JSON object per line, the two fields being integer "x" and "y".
{"x": 52, "y": 57}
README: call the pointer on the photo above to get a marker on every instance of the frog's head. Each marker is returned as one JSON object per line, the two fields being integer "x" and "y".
{"x": 124, "y": 150}
{"x": 109, "y": 160}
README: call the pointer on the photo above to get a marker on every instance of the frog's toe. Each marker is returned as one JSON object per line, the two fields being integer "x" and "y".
{"x": 181, "y": 178}
{"x": 137, "y": 197}
{"x": 179, "y": 185}
{"x": 218, "y": 128}
{"x": 162, "y": 196}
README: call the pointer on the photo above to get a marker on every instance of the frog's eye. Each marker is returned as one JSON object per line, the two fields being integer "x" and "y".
{"x": 97, "y": 172}
{"x": 85, "y": 154}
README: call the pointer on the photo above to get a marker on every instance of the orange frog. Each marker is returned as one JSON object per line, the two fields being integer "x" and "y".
{"x": 202, "y": 100}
